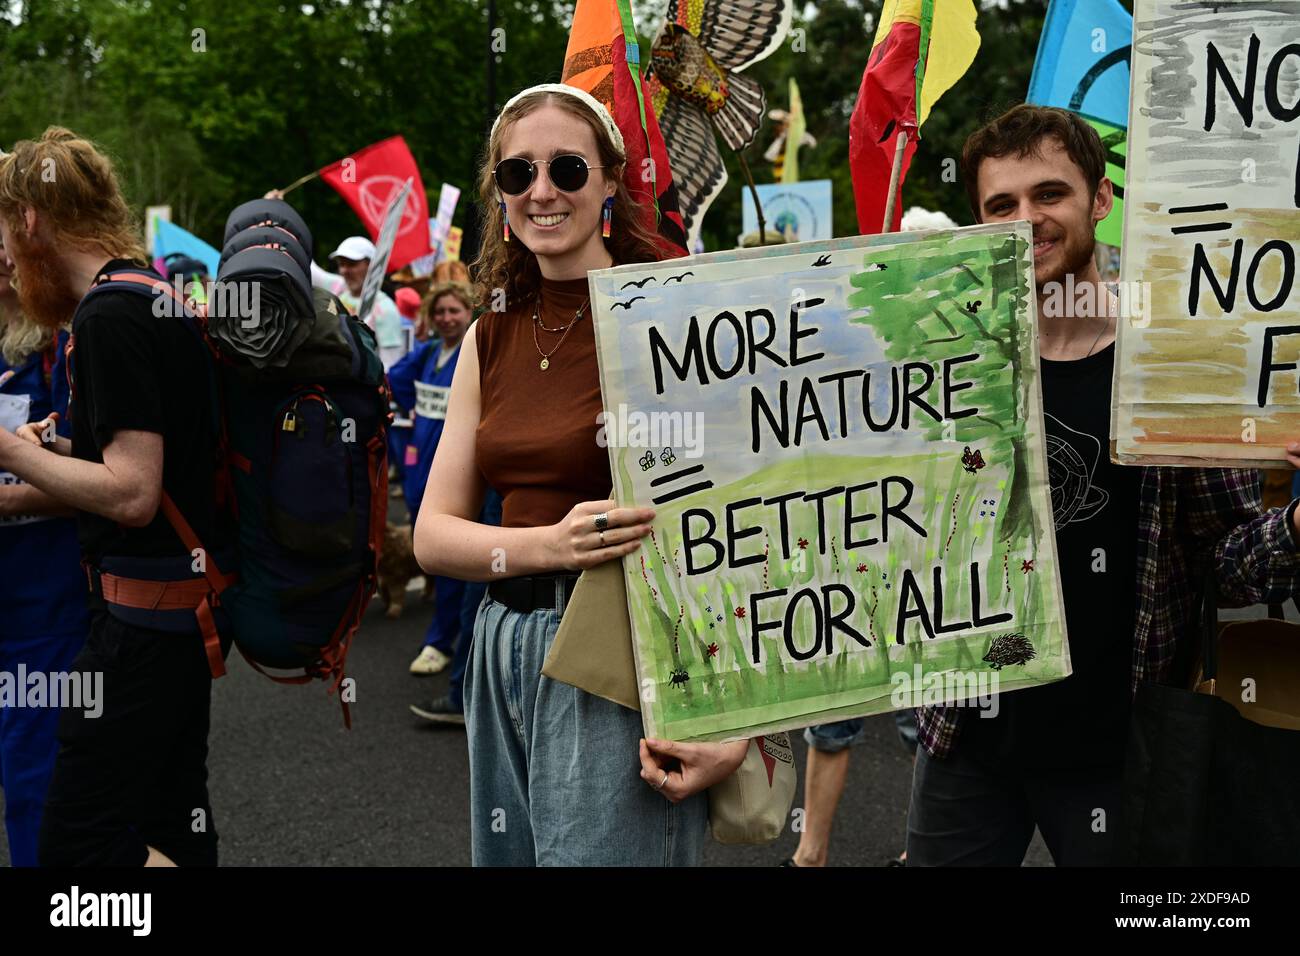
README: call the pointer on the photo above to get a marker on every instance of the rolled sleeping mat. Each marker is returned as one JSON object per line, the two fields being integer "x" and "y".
{"x": 261, "y": 308}
{"x": 271, "y": 236}
{"x": 275, "y": 212}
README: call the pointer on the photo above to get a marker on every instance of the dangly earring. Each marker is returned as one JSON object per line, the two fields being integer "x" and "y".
{"x": 505, "y": 223}
{"x": 606, "y": 216}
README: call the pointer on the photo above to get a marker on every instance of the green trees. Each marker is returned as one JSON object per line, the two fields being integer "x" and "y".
{"x": 205, "y": 103}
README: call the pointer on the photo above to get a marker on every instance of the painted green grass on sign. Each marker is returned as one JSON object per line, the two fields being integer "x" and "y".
{"x": 697, "y": 627}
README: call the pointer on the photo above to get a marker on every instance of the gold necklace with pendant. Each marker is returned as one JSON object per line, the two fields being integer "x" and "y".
{"x": 537, "y": 321}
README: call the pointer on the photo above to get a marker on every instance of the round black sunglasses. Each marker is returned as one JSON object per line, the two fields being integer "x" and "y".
{"x": 568, "y": 173}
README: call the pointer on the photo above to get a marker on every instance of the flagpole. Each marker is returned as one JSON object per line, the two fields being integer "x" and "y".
{"x": 758, "y": 206}
{"x": 894, "y": 175}
{"x": 298, "y": 182}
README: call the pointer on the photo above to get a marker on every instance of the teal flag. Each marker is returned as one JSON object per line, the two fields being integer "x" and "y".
{"x": 168, "y": 238}
{"x": 1083, "y": 66}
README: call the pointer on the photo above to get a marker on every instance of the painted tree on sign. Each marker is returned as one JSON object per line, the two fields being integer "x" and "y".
{"x": 949, "y": 303}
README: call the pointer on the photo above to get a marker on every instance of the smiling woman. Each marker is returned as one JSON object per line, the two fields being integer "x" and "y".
{"x": 553, "y": 770}
{"x": 543, "y": 210}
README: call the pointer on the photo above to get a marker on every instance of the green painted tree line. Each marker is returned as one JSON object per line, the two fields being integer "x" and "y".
{"x": 207, "y": 103}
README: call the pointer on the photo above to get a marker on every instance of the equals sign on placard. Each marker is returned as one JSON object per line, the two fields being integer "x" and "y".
{"x": 680, "y": 492}
{"x": 1204, "y": 227}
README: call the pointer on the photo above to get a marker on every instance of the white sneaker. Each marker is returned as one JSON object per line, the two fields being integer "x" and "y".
{"x": 430, "y": 661}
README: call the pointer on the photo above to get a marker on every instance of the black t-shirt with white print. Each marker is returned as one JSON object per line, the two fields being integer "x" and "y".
{"x": 1081, "y": 721}
{"x": 133, "y": 370}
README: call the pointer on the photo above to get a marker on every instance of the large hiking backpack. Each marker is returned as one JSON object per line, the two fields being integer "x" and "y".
{"x": 303, "y": 471}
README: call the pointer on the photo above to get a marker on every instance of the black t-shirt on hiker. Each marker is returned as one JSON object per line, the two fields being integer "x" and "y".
{"x": 136, "y": 371}
{"x": 1081, "y": 721}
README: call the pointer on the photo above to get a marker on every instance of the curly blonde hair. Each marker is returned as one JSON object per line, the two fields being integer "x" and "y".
{"x": 460, "y": 290}
{"x": 20, "y": 337}
{"x": 512, "y": 267}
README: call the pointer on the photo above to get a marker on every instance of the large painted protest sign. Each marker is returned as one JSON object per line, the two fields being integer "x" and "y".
{"x": 843, "y": 443}
{"x": 1207, "y": 373}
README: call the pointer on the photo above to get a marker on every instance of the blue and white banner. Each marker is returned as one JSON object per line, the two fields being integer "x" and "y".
{"x": 801, "y": 211}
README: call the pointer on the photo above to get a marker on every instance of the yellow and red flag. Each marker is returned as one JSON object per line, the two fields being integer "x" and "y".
{"x": 921, "y": 48}
{"x": 603, "y": 59}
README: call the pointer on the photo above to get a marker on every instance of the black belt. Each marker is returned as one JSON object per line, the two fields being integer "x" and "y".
{"x": 533, "y": 592}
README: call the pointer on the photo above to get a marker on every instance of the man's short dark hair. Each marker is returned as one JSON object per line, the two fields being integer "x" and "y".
{"x": 1020, "y": 131}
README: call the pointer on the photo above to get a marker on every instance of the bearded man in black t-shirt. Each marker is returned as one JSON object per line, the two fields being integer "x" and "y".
{"x": 1132, "y": 543}
{"x": 130, "y": 783}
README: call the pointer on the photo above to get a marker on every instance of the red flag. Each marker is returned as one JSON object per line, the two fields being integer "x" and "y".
{"x": 596, "y": 61}
{"x": 886, "y": 105}
{"x": 369, "y": 178}
{"x": 921, "y": 48}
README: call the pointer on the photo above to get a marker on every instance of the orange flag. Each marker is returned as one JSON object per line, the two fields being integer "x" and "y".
{"x": 603, "y": 59}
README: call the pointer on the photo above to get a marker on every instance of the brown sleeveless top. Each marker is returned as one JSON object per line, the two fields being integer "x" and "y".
{"x": 536, "y": 440}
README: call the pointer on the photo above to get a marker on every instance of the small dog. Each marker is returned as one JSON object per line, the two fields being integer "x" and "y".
{"x": 398, "y": 567}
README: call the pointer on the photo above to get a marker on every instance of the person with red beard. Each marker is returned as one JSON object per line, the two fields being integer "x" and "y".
{"x": 1133, "y": 544}
{"x": 130, "y": 782}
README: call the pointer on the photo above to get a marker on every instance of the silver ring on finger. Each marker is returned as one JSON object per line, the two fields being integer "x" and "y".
{"x": 661, "y": 782}
{"x": 602, "y": 539}
{"x": 601, "y": 520}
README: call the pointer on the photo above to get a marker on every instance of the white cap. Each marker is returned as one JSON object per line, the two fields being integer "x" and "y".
{"x": 586, "y": 98}
{"x": 355, "y": 248}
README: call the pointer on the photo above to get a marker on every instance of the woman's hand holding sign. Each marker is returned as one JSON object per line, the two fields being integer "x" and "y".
{"x": 678, "y": 770}
{"x": 595, "y": 532}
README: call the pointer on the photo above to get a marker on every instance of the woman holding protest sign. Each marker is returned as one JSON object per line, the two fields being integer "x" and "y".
{"x": 553, "y": 770}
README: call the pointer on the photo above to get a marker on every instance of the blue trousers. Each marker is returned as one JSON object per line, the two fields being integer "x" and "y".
{"x": 29, "y": 738}
{"x": 554, "y": 774}
{"x": 447, "y": 594}
{"x": 445, "y": 626}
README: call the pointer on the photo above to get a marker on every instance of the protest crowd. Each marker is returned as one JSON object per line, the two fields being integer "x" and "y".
{"x": 210, "y": 453}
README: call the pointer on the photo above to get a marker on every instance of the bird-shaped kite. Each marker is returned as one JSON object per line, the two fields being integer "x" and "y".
{"x": 695, "y": 84}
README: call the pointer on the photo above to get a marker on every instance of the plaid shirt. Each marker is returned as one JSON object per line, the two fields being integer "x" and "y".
{"x": 1186, "y": 517}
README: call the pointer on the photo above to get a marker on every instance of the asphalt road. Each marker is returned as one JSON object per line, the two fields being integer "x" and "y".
{"x": 291, "y": 787}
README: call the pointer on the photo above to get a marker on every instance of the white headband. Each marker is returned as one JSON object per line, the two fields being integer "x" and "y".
{"x": 591, "y": 102}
